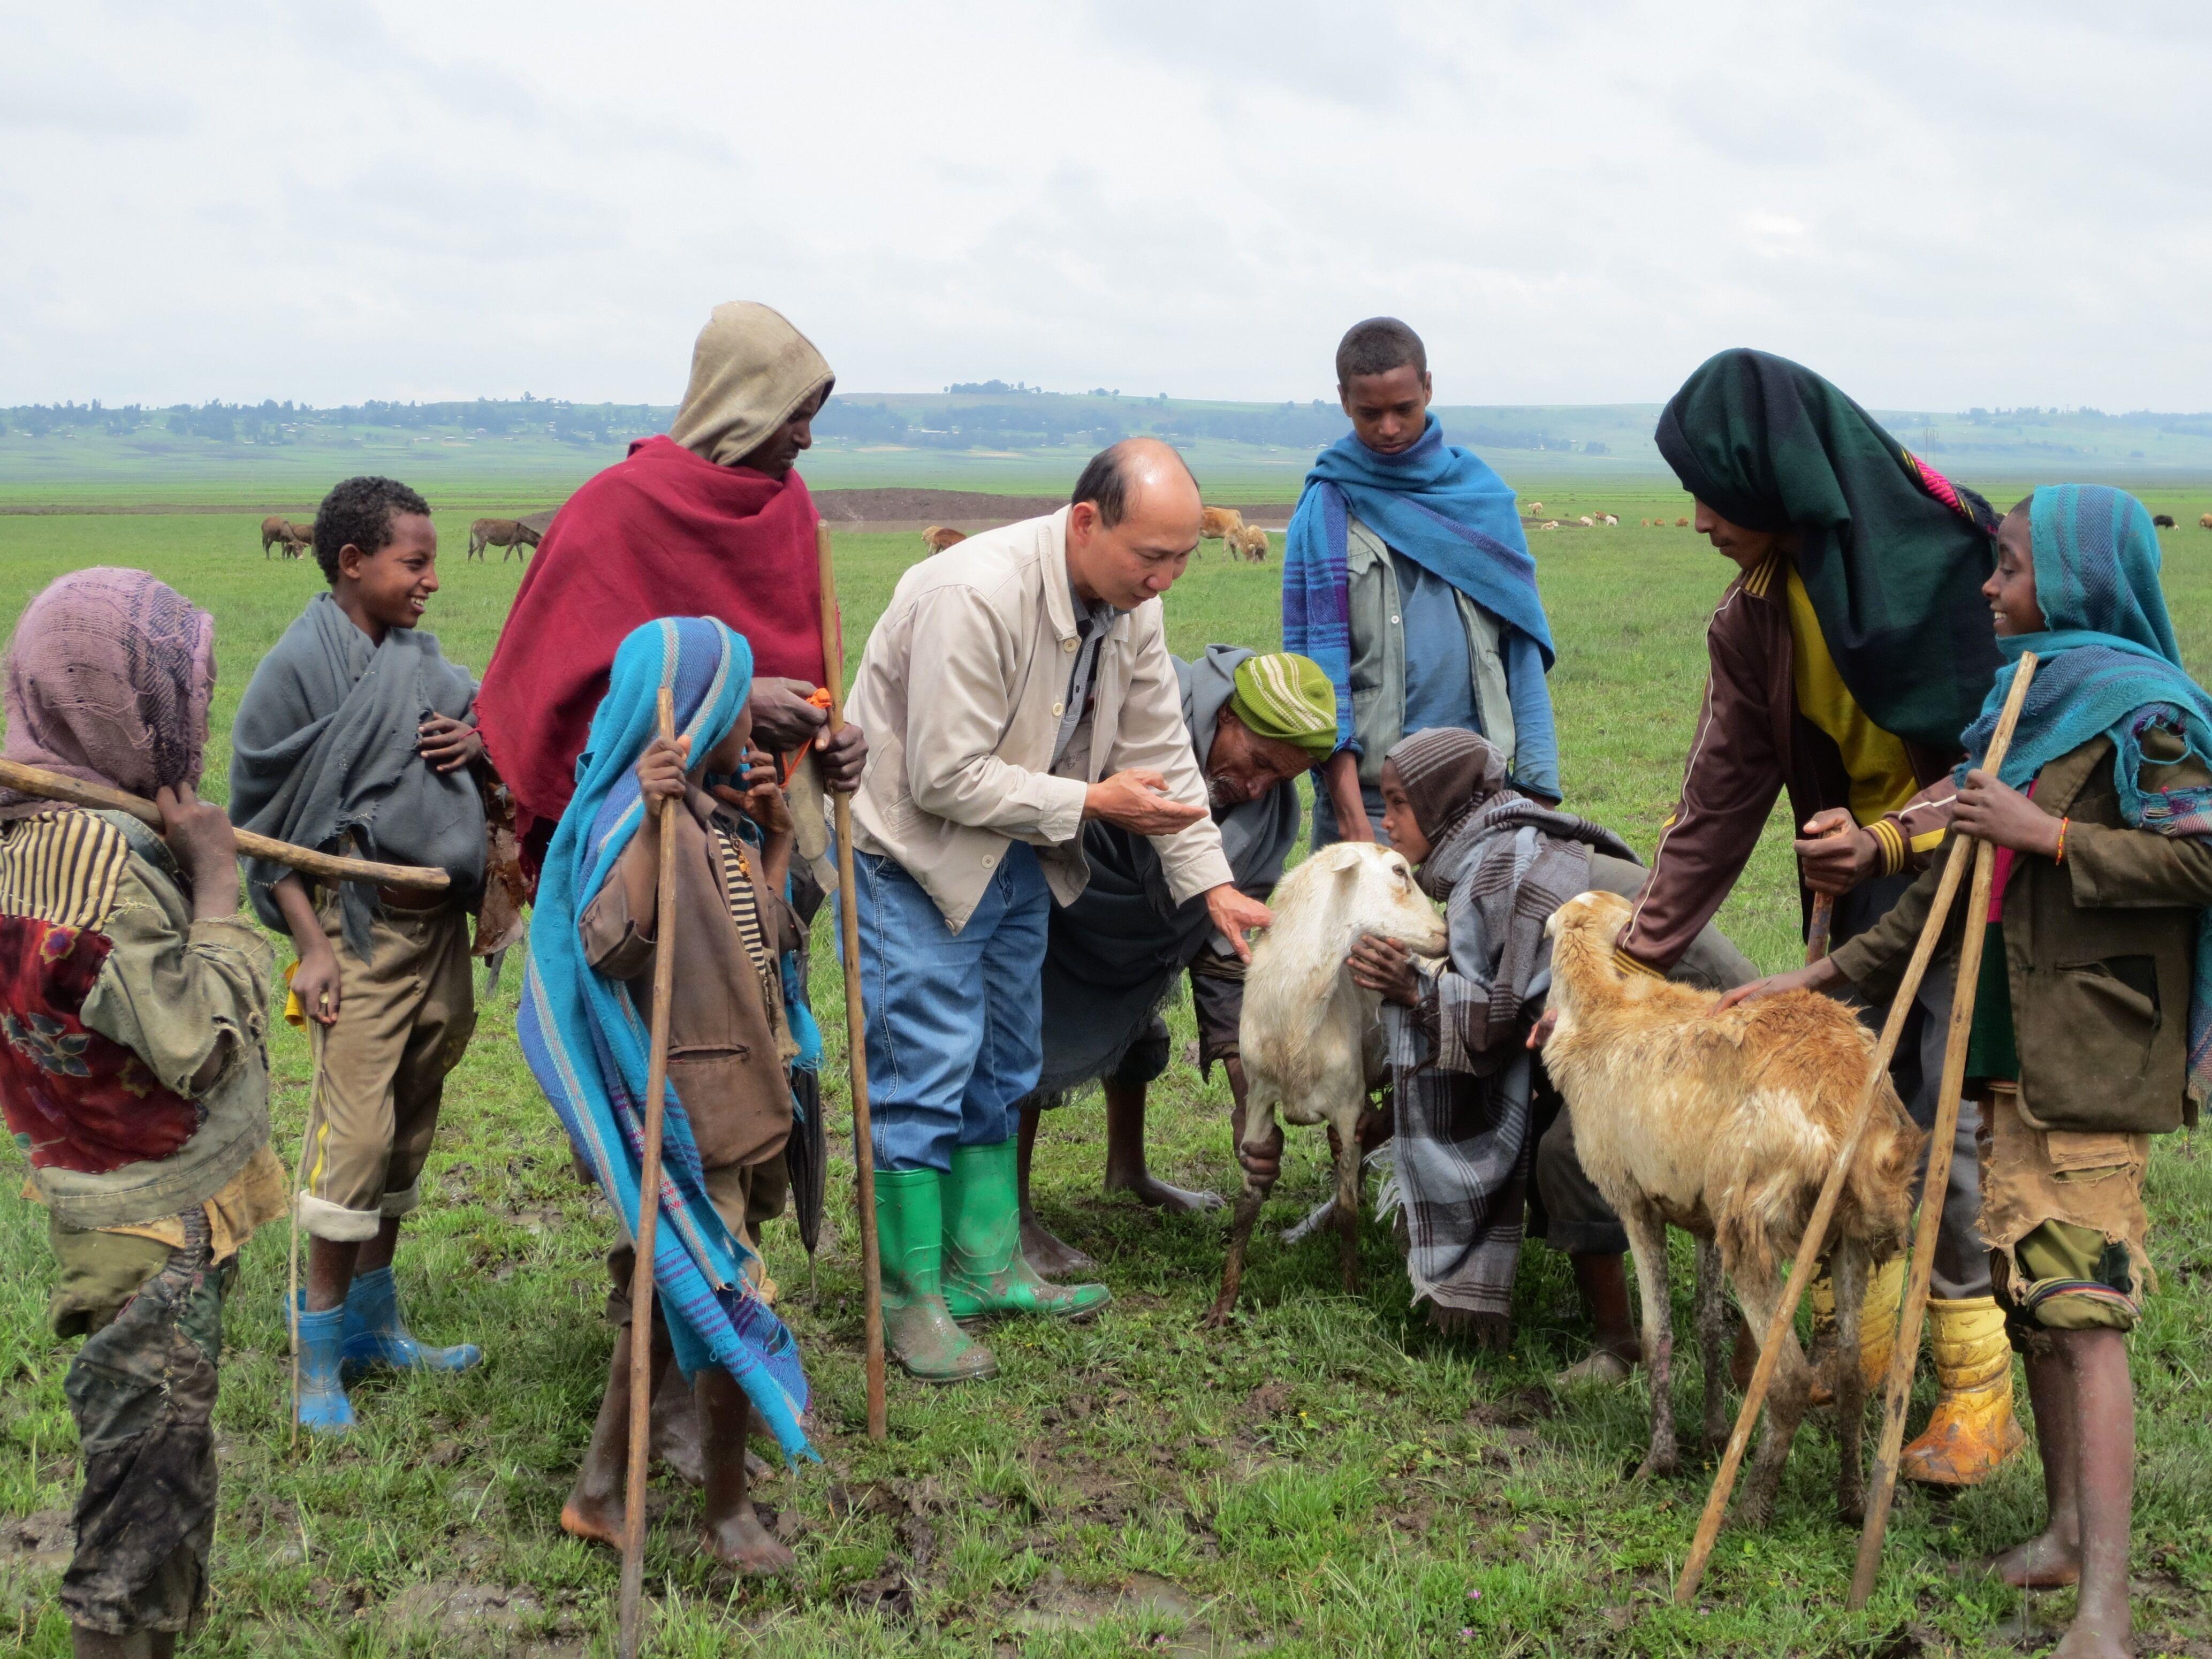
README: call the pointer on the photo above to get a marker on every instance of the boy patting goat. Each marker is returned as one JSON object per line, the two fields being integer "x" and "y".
{"x": 1725, "y": 1126}
{"x": 1312, "y": 1043}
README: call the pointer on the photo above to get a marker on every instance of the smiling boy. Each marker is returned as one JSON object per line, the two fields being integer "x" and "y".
{"x": 1407, "y": 578}
{"x": 355, "y": 736}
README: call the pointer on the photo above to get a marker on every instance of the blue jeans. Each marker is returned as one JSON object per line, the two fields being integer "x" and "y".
{"x": 955, "y": 1021}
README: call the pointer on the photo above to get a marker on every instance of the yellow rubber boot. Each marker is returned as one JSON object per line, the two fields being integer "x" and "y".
{"x": 1972, "y": 1430}
{"x": 1877, "y": 1324}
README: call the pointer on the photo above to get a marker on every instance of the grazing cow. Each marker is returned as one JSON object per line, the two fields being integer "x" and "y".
{"x": 1646, "y": 523}
{"x": 1220, "y": 524}
{"x": 510, "y": 534}
{"x": 2205, "y": 523}
{"x": 1609, "y": 520}
{"x": 2162, "y": 520}
{"x": 939, "y": 537}
{"x": 1549, "y": 524}
{"x": 1248, "y": 542}
{"x": 1535, "y": 507}
{"x": 1587, "y": 522}
{"x": 276, "y": 528}
{"x": 301, "y": 540}
{"x": 1312, "y": 1045}
{"x": 1681, "y": 524}
{"x": 1726, "y": 1126}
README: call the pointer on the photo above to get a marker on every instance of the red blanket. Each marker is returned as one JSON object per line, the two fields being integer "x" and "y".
{"x": 664, "y": 533}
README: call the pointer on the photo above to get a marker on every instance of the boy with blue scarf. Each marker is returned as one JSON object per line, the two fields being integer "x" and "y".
{"x": 583, "y": 1024}
{"x": 1407, "y": 578}
{"x": 2097, "y": 941}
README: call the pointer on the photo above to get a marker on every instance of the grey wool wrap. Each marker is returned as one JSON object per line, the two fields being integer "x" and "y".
{"x": 1463, "y": 1151}
{"x": 323, "y": 753}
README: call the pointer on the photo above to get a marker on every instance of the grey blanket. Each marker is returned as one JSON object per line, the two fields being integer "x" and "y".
{"x": 323, "y": 753}
{"x": 1463, "y": 1150}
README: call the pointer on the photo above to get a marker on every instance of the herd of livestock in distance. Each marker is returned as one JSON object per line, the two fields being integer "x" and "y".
{"x": 1225, "y": 525}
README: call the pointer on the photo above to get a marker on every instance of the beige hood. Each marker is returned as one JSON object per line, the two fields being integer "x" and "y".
{"x": 750, "y": 371}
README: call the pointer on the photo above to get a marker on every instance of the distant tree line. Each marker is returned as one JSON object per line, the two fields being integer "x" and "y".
{"x": 587, "y": 425}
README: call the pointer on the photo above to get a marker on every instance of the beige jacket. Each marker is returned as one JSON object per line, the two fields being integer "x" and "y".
{"x": 961, "y": 689}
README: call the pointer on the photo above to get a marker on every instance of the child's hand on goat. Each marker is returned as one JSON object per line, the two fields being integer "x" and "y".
{"x": 1385, "y": 965}
{"x": 1818, "y": 976}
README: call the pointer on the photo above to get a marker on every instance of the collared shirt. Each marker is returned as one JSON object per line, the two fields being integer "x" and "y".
{"x": 1091, "y": 623}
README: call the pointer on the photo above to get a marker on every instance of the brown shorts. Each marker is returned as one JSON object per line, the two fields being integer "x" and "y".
{"x": 745, "y": 1196}
{"x": 404, "y": 1020}
{"x": 2063, "y": 1215}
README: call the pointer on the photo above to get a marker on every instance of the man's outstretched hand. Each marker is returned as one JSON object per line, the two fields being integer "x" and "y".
{"x": 1137, "y": 801}
{"x": 1234, "y": 915}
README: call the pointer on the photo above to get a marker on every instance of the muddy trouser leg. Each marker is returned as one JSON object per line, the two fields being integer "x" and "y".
{"x": 142, "y": 1391}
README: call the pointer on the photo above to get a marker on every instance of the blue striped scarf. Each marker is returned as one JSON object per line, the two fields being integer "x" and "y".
{"x": 1441, "y": 507}
{"x": 2108, "y": 665}
{"x": 584, "y": 1042}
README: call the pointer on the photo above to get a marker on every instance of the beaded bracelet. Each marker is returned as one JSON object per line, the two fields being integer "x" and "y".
{"x": 2059, "y": 857}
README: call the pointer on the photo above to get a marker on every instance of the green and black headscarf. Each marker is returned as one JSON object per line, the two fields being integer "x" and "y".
{"x": 1892, "y": 553}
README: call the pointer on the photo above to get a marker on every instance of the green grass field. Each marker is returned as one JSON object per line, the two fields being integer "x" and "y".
{"x": 1328, "y": 1477}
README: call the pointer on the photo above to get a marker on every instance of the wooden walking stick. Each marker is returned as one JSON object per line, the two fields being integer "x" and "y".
{"x": 53, "y": 786}
{"x": 648, "y": 1220}
{"x": 1808, "y": 1258}
{"x": 856, "y": 1042}
{"x": 1899, "y": 1388}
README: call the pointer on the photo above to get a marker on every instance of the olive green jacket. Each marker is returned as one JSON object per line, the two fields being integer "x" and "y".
{"x": 2098, "y": 952}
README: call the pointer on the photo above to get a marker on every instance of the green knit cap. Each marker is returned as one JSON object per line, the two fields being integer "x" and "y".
{"x": 1288, "y": 698}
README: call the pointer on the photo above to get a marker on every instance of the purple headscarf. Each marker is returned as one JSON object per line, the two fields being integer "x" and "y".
{"x": 108, "y": 678}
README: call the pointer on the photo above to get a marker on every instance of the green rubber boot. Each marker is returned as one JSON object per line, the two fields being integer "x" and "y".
{"x": 910, "y": 1238}
{"x": 984, "y": 1271}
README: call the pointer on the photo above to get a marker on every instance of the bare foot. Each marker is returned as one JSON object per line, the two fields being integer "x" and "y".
{"x": 597, "y": 1518}
{"x": 2085, "y": 1640}
{"x": 1175, "y": 1200}
{"x": 2044, "y": 1562}
{"x": 739, "y": 1540}
{"x": 1051, "y": 1256}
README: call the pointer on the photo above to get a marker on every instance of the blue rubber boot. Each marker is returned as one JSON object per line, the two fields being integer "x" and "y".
{"x": 375, "y": 1335}
{"x": 323, "y": 1407}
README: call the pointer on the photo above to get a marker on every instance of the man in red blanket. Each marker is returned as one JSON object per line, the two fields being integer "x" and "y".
{"x": 710, "y": 521}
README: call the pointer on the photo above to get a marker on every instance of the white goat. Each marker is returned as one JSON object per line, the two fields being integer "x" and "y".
{"x": 1725, "y": 1126}
{"x": 1312, "y": 1044}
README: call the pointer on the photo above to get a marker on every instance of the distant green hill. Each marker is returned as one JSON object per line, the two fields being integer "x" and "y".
{"x": 987, "y": 435}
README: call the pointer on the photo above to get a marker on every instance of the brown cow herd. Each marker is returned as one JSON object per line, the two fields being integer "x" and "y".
{"x": 1225, "y": 525}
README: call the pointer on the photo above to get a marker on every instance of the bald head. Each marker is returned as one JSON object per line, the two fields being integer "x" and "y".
{"x": 1131, "y": 523}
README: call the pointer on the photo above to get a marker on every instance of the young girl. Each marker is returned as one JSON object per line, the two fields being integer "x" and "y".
{"x": 2096, "y": 944}
{"x": 134, "y": 1077}
{"x": 1502, "y": 862}
{"x": 585, "y": 1029}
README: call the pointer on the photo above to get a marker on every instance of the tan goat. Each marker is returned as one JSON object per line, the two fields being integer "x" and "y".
{"x": 939, "y": 537}
{"x": 1248, "y": 543}
{"x": 1725, "y": 1126}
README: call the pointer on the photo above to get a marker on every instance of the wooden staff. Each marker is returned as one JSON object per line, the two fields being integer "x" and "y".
{"x": 1906, "y": 1354}
{"x": 856, "y": 1039}
{"x": 52, "y": 786}
{"x": 1808, "y": 1258}
{"x": 648, "y": 1219}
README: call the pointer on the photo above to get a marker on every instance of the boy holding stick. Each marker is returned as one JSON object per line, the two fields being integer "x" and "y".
{"x": 2097, "y": 938}
{"x": 355, "y": 731}
{"x": 595, "y": 937}
{"x": 133, "y": 1073}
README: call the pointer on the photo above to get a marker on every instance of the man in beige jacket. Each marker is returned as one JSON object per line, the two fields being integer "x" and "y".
{"x": 1019, "y": 685}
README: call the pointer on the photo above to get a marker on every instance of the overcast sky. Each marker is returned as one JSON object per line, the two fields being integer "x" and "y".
{"x": 1938, "y": 205}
